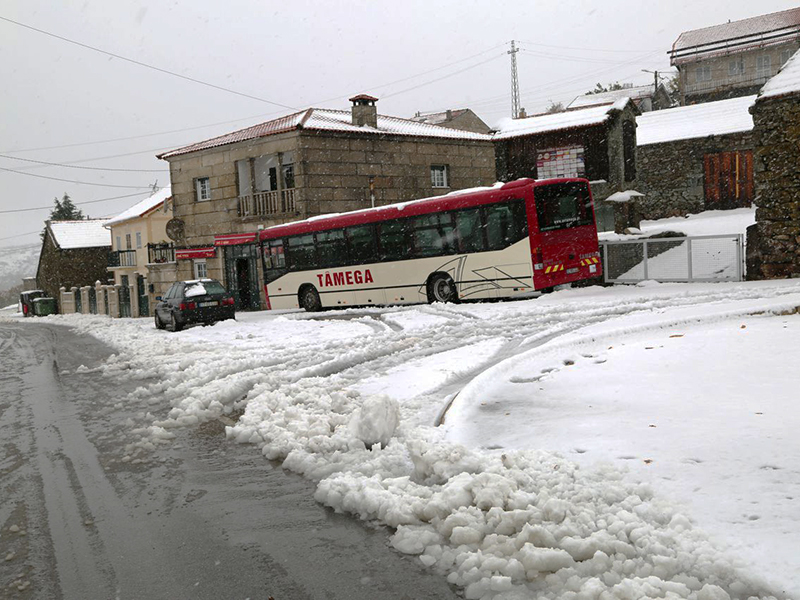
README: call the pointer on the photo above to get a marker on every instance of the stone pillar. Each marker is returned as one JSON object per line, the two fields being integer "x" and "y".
{"x": 65, "y": 301}
{"x": 84, "y": 292}
{"x": 113, "y": 300}
{"x": 773, "y": 244}
{"x": 134, "y": 296}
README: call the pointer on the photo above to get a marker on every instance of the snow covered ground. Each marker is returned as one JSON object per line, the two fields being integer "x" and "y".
{"x": 710, "y": 222}
{"x": 630, "y": 442}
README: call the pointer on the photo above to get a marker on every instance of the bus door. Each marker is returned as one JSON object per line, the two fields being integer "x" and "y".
{"x": 564, "y": 247}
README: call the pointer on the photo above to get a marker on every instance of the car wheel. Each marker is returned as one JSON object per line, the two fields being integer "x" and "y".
{"x": 442, "y": 288}
{"x": 309, "y": 299}
{"x": 174, "y": 325}
{"x": 159, "y": 323}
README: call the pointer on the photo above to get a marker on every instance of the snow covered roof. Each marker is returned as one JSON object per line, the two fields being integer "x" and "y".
{"x": 88, "y": 233}
{"x": 323, "y": 119}
{"x": 439, "y": 117}
{"x": 141, "y": 208}
{"x": 571, "y": 119}
{"x": 695, "y": 121}
{"x": 762, "y": 30}
{"x": 634, "y": 93}
{"x": 786, "y": 82}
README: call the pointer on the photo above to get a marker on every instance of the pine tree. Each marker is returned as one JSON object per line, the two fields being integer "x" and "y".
{"x": 64, "y": 210}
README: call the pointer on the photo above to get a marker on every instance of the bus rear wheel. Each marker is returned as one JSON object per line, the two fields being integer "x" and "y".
{"x": 309, "y": 299}
{"x": 442, "y": 288}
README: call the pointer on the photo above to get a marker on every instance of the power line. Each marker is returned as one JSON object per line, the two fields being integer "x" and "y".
{"x": 130, "y": 187}
{"x": 574, "y": 59}
{"x": 583, "y": 49}
{"x": 71, "y": 166}
{"x": 443, "y": 77}
{"x": 377, "y": 87}
{"x": 185, "y": 129}
{"x": 143, "y": 64}
{"x": 11, "y": 237}
{"x": 19, "y": 210}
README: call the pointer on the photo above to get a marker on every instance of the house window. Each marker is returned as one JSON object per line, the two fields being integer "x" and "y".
{"x": 287, "y": 168}
{"x": 245, "y": 177}
{"x": 138, "y": 239}
{"x": 265, "y": 169}
{"x": 260, "y": 174}
{"x": 119, "y": 243}
{"x": 736, "y": 67}
{"x": 439, "y": 176}
{"x": 763, "y": 65}
{"x": 786, "y": 55}
{"x": 202, "y": 188}
{"x": 703, "y": 73}
{"x": 128, "y": 241}
{"x": 200, "y": 268}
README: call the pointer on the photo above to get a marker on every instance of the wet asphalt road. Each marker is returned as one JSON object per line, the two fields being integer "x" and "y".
{"x": 201, "y": 519}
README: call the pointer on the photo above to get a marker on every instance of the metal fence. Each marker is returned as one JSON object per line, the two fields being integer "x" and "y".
{"x": 676, "y": 259}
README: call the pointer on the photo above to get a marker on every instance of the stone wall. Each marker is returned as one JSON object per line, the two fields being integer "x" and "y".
{"x": 773, "y": 243}
{"x": 70, "y": 268}
{"x": 670, "y": 174}
{"x": 337, "y": 168}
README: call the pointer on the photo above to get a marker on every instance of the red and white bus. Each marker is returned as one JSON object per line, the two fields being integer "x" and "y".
{"x": 499, "y": 242}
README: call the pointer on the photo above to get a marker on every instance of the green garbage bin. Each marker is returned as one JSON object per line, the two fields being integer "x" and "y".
{"x": 44, "y": 306}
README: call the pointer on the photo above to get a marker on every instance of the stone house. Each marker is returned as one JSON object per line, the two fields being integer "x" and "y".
{"x": 462, "y": 118}
{"x": 645, "y": 97}
{"x": 695, "y": 158}
{"x": 139, "y": 242}
{"x": 598, "y": 143}
{"x": 735, "y": 58}
{"x": 773, "y": 243}
{"x": 74, "y": 254}
{"x": 309, "y": 163}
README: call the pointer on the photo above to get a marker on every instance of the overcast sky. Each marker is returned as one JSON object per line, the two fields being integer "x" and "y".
{"x": 63, "y": 103}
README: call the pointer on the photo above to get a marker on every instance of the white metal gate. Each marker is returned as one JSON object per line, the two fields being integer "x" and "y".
{"x": 676, "y": 259}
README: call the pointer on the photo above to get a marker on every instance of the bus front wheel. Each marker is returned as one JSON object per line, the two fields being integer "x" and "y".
{"x": 309, "y": 299}
{"x": 442, "y": 288}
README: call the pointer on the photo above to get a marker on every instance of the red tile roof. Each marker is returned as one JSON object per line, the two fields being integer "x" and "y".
{"x": 328, "y": 120}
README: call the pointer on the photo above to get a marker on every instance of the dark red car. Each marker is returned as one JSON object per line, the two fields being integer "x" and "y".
{"x": 196, "y": 301}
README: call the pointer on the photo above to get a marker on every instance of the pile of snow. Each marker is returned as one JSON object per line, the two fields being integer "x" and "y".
{"x": 328, "y": 398}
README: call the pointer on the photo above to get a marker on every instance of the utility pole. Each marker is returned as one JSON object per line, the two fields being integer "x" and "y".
{"x": 514, "y": 81}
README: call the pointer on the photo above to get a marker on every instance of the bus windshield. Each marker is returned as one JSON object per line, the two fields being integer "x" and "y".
{"x": 563, "y": 205}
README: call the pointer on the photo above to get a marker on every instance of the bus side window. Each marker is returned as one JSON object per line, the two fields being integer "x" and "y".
{"x": 505, "y": 224}
{"x": 331, "y": 247}
{"x": 274, "y": 260}
{"x": 302, "y": 253}
{"x": 469, "y": 230}
{"x": 433, "y": 234}
{"x": 395, "y": 239}
{"x": 362, "y": 248}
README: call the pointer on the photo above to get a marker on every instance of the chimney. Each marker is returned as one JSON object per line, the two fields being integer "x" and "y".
{"x": 365, "y": 113}
{"x": 522, "y": 114}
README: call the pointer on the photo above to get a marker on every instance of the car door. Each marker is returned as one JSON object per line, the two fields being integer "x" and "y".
{"x": 163, "y": 308}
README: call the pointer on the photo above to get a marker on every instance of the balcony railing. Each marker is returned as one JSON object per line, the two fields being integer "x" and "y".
{"x": 122, "y": 258}
{"x": 267, "y": 203}
{"x": 160, "y": 253}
